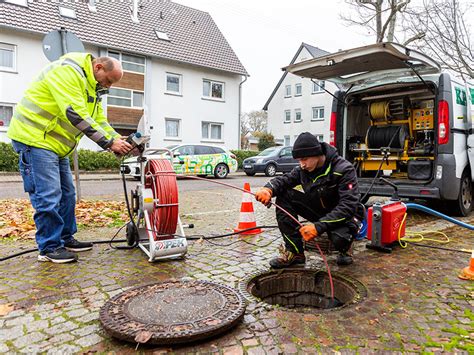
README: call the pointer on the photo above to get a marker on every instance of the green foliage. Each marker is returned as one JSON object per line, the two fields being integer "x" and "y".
{"x": 243, "y": 154}
{"x": 90, "y": 160}
{"x": 8, "y": 158}
{"x": 266, "y": 140}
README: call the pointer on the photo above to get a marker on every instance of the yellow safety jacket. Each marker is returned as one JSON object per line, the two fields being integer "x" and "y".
{"x": 60, "y": 106}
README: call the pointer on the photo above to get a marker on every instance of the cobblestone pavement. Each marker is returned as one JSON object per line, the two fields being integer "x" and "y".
{"x": 415, "y": 301}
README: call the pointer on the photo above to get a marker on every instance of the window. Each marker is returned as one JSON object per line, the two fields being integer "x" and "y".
{"x": 287, "y": 140}
{"x": 130, "y": 62}
{"x": 6, "y": 113}
{"x": 125, "y": 97}
{"x": 320, "y": 137}
{"x": 162, "y": 35}
{"x": 298, "y": 115}
{"x": 287, "y": 116}
{"x": 212, "y": 89}
{"x": 288, "y": 91}
{"x": 319, "y": 87}
{"x": 67, "y": 12}
{"x": 18, "y": 2}
{"x": 185, "y": 150}
{"x": 318, "y": 114}
{"x": 173, "y": 83}
{"x": 298, "y": 90}
{"x": 203, "y": 150}
{"x": 172, "y": 128}
{"x": 286, "y": 152}
{"x": 7, "y": 57}
{"x": 218, "y": 150}
{"x": 211, "y": 130}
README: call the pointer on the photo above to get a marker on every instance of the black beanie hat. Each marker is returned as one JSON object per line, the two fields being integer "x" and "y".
{"x": 306, "y": 145}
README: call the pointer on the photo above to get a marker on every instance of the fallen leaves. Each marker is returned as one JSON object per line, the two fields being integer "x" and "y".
{"x": 6, "y": 308}
{"x": 16, "y": 216}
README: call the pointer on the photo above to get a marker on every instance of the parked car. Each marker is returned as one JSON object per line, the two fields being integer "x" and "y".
{"x": 191, "y": 159}
{"x": 270, "y": 161}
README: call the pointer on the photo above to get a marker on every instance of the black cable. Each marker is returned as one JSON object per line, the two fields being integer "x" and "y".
{"x": 380, "y": 166}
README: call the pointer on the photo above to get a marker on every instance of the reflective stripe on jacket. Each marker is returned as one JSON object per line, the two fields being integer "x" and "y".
{"x": 60, "y": 106}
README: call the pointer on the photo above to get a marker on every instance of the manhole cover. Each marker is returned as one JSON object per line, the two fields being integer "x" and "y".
{"x": 304, "y": 288}
{"x": 172, "y": 312}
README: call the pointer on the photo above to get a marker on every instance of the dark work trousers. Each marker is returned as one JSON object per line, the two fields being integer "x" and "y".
{"x": 297, "y": 204}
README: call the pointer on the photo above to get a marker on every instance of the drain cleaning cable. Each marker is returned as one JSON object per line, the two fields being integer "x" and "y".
{"x": 280, "y": 208}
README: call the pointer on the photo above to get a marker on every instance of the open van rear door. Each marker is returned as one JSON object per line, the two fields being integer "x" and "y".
{"x": 371, "y": 62}
{"x": 470, "y": 125}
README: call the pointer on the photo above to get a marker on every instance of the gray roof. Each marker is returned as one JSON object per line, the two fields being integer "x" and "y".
{"x": 194, "y": 36}
{"x": 314, "y": 51}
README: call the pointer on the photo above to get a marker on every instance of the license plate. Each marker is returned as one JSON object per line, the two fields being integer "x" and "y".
{"x": 247, "y": 166}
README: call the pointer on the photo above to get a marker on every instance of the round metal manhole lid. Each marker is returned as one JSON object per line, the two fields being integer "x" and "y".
{"x": 172, "y": 312}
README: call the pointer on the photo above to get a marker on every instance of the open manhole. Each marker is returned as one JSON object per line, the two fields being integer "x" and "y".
{"x": 173, "y": 312}
{"x": 304, "y": 288}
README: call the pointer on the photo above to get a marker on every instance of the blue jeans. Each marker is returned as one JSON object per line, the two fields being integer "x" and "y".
{"x": 48, "y": 180}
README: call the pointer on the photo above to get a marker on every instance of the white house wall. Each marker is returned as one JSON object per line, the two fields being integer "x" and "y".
{"x": 190, "y": 107}
{"x": 279, "y": 104}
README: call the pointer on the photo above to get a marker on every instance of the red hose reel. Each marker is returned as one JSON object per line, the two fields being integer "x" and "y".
{"x": 160, "y": 178}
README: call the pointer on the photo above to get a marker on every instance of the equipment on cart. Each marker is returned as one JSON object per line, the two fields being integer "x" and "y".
{"x": 154, "y": 205}
{"x": 385, "y": 222}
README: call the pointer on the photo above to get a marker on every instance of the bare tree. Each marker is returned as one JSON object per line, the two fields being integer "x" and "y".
{"x": 379, "y": 16}
{"x": 438, "y": 28}
{"x": 254, "y": 121}
{"x": 447, "y": 35}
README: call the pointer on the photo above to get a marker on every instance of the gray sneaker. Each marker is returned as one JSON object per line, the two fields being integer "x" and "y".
{"x": 59, "y": 256}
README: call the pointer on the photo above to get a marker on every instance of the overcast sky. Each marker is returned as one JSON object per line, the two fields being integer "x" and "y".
{"x": 265, "y": 35}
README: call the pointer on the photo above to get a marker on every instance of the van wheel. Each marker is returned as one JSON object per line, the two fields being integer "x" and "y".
{"x": 221, "y": 171}
{"x": 463, "y": 205}
{"x": 270, "y": 170}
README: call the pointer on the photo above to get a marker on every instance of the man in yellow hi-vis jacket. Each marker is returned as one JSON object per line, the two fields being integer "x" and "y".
{"x": 62, "y": 104}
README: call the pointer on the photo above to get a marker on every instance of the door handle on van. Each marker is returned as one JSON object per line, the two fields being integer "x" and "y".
{"x": 462, "y": 131}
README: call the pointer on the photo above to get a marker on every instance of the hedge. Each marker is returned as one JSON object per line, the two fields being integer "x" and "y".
{"x": 243, "y": 154}
{"x": 90, "y": 160}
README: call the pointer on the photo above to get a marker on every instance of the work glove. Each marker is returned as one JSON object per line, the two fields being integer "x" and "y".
{"x": 264, "y": 196}
{"x": 308, "y": 232}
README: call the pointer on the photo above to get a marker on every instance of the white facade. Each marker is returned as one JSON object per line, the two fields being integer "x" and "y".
{"x": 190, "y": 108}
{"x": 300, "y": 106}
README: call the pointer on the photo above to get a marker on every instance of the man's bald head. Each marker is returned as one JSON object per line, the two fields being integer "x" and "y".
{"x": 107, "y": 71}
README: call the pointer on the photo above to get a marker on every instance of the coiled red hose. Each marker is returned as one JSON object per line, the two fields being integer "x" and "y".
{"x": 161, "y": 179}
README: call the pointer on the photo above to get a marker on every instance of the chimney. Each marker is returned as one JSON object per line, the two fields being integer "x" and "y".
{"x": 91, "y": 5}
{"x": 135, "y": 11}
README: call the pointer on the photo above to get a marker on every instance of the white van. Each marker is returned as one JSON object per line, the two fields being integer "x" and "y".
{"x": 398, "y": 116}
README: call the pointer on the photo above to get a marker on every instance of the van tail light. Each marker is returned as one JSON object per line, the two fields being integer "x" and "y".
{"x": 332, "y": 129}
{"x": 443, "y": 122}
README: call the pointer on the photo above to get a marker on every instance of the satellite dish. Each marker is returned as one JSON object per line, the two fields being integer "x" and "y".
{"x": 59, "y": 42}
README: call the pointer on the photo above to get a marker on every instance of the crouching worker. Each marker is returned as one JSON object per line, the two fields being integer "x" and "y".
{"x": 60, "y": 106}
{"x": 330, "y": 201}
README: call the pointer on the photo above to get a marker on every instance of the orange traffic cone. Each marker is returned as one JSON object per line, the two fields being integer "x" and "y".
{"x": 468, "y": 272}
{"x": 247, "y": 215}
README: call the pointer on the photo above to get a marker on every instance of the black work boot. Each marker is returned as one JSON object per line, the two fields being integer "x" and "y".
{"x": 344, "y": 259}
{"x": 59, "y": 256}
{"x": 287, "y": 258}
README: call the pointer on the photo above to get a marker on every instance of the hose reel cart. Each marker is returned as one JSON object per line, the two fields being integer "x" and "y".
{"x": 155, "y": 208}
